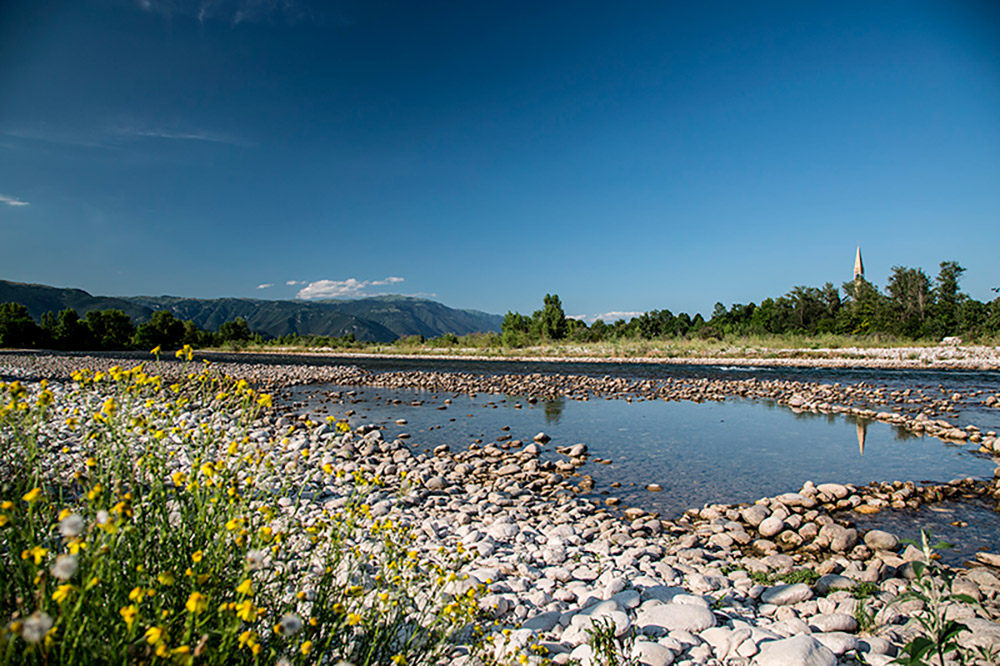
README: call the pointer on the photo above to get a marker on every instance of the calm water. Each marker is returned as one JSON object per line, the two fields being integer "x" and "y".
{"x": 735, "y": 451}
{"x": 935, "y": 382}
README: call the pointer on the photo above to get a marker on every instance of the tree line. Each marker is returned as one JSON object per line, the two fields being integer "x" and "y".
{"x": 111, "y": 330}
{"x": 912, "y": 307}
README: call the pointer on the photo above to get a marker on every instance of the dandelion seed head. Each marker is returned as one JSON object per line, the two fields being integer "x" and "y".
{"x": 65, "y": 567}
{"x": 255, "y": 559}
{"x": 72, "y": 525}
{"x": 290, "y": 623}
{"x": 36, "y": 626}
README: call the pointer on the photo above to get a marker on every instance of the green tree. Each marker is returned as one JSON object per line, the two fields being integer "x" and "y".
{"x": 865, "y": 311}
{"x": 236, "y": 330}
{"x": 17, "y": 328}
{"x": 599, "y": 331}
{"x": 947, "y": 299}
{"x": 910, "y": 298}
{"x": 163, "y": 329}
{"x": 551, "y": 319}
{"x": 111, "y": 329}
{"x": 515, "y": 331}
{"x": 67, "y": 331}
{"x": 196, "y": 337}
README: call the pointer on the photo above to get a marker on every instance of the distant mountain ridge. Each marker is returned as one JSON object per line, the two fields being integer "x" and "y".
{"x": 375, "y": 319}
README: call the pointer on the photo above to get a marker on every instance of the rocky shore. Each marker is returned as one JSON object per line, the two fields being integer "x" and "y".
{"x": 786, "y": 580}
{"x": 945, "y": 356}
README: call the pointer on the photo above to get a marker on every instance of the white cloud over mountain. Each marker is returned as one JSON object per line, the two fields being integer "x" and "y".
{"x": 349, "y": 288}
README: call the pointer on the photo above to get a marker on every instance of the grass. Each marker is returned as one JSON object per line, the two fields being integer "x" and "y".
{"x": 807, "y": 576}
{"x": 137, "y": 526}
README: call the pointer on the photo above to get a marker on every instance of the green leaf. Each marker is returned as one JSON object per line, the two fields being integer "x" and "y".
{"x": 951, "y": 630}
{"x": 964, "y": 598}
{"x": 942, "y": 545}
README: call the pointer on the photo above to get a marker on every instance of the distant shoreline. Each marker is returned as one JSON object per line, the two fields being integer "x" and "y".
{"x": 909, "y": 358}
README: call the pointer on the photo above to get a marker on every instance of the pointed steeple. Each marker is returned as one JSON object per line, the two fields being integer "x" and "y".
{"x": 859, "y": 268}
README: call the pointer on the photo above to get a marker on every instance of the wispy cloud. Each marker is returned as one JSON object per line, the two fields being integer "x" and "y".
{"x": 119, "y": 135}
{"x": 607, "y": 317}
{"x": 342, "y": 288}
{"x": 181, "y": 135}
{"x": 266, "y": 285}
{"x": 12, "y": 201}
{"x": 229, "y": 11}
{"x": 292, "y": 283}
{"x": 58, "y": 137}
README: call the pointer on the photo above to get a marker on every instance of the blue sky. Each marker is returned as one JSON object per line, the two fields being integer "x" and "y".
{"x": 627, "y": 156}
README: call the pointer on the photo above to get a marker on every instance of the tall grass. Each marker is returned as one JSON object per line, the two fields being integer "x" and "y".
{"x": 141, "y": 523}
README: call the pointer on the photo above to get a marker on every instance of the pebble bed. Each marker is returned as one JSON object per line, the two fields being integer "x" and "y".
{"x": 555, "y": 563}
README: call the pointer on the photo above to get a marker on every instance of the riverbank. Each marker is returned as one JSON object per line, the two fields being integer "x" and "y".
{"x": 926, "y": 411}
{"x": 931, "y": 357}
{"x": 788, "y": 579}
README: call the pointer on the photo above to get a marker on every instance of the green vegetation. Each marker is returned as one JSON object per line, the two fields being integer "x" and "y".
{"x": 610, "y": 650}
{"x": 807, "y": 576}
{"x": 112, "y": 330}
{"x": 157, "y": 539}
{"x": 865, "y": 590}
{"x": 912, "y": 308}
{"x": 933, "y": 588}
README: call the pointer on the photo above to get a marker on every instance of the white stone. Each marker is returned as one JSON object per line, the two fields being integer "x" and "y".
{"x": 798, "y": 650}
{"x": 652, "y": 654}
{"x": 660, "y": 620}
{"x": 784, "y": 595}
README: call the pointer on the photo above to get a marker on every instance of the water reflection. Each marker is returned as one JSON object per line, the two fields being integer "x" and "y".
{"x": 554, "y": 409}
{"x": 732, "y": 451}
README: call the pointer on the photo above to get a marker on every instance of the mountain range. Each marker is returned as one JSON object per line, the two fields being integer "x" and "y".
{"x": 374, "y": 319}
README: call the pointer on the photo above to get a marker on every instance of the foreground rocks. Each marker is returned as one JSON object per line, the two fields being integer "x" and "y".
{"x": 782, "y": 581}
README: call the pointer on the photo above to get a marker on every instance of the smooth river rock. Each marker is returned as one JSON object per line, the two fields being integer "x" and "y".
{"x": 801, "y": 650}
{"x": 785, "y": 595}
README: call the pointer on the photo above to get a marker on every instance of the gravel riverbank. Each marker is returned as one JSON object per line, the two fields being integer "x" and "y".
{"x": 955, "y": 357}
{"x": 704, "y": 589}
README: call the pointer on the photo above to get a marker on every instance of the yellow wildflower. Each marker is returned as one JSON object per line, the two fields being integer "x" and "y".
{"x": 197, "y": 555}
{"x": 306, "y": 647}
{"x": 196, "y": 603}
{"x": 166, "y": 578}
{"x": 353, "y": 619}
{"x": 246, "y": 587}
{"x": 37, "y": 552}
{"x": 32, "y": 495}
{"x": 62, "y": 593}
{"x": 154, "y": 635}
{"x": 245, "y": 610}
{"x": 128, "y": 614}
